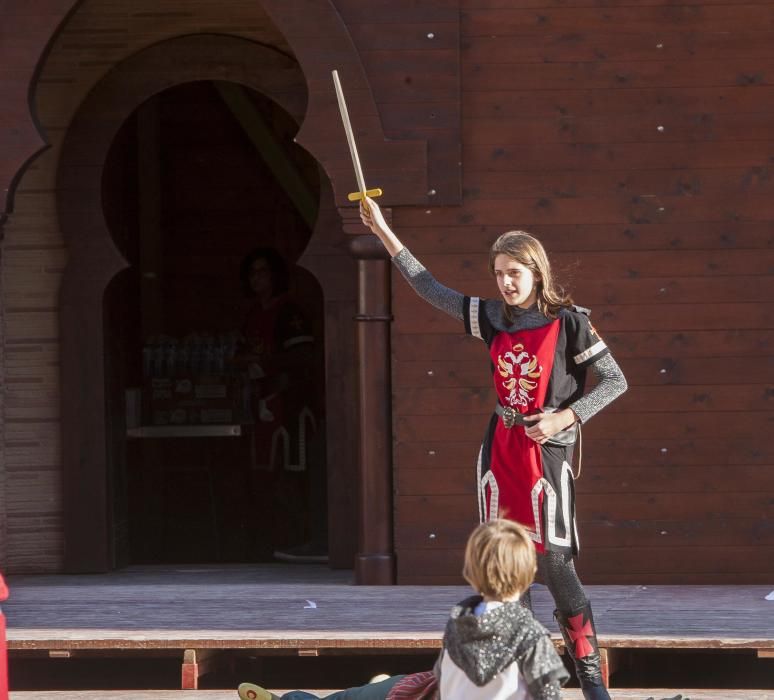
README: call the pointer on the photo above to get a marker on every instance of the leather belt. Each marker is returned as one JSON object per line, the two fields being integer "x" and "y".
{"x": 511, "y": 416}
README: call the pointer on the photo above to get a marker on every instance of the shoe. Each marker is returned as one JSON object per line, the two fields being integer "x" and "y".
{"x": 250, "y": 691}
{"x": 308, "y": 553}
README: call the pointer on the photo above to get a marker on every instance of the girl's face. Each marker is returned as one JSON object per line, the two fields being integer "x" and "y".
{"x": 515, "y": 281}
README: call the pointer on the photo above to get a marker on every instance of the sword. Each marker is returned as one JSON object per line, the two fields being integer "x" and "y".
{"x": 364, "y": 192}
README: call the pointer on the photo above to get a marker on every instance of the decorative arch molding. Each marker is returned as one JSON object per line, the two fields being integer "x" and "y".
{"x": 94, "y": 260}
{"x": 320, "y": 41}
{"x": 23, "y": 140}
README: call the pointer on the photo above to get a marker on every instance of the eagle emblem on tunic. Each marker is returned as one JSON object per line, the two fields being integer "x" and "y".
{"x": 519, "y": 371}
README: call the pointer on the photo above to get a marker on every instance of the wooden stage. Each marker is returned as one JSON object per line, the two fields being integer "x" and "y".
{"x": 198, "y": 612}
{"x": 569, "y": 694}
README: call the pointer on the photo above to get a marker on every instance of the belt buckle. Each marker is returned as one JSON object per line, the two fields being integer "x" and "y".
{"x": 509, "y": 416}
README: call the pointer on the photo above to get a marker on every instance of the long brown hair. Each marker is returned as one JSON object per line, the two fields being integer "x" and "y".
{"x": 528, "y": 250}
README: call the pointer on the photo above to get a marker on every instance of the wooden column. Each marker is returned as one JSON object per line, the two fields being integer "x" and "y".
{"x": 375, "y": 560}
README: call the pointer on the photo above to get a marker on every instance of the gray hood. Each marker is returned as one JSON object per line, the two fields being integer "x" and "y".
{"x": 484, "y": 645}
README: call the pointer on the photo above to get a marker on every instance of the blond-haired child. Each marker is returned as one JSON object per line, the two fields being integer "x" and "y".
{"x": 493, "y": 647}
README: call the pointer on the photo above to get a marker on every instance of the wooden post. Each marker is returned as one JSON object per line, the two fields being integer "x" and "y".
{"x": 609, "y": 662}
{"x": 198, "y": 662}
{"x": 375, "y": 560}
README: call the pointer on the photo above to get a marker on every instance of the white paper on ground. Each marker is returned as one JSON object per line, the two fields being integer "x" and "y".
{"x": 311, "y": 604}
{"x": 770, "y": 596}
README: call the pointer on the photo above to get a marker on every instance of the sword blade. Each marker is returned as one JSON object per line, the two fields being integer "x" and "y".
{"x": 350, "y": 135}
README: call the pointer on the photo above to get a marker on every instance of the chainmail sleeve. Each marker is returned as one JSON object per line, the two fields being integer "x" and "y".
{"x": 430, "y": 289}
{"x": 612, "y": 384}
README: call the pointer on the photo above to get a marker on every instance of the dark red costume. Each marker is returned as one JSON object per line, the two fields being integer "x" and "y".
{"x": 283, "y": 381}
{"x": 535, "y": 370}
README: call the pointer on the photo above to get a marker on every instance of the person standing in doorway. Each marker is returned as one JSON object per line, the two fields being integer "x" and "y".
{"x": 279, "y": 357}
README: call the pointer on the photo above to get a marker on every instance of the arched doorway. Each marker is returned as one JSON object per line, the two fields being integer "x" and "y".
{"x": 199, "y": 177}
{"x": 104, "y": 215}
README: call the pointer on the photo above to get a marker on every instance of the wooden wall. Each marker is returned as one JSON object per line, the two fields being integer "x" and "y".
{"x": 96, "y": 37}
{"x": 637, "y": 141}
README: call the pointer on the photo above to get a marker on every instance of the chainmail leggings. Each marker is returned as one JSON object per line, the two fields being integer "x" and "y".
{"x": 557, "y": 571}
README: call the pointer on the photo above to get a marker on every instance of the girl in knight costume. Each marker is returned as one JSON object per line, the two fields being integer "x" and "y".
{"x": 541, "y": 346}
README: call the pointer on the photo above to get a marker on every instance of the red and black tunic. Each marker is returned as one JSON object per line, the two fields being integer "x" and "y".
{"x": 535, "y": 369}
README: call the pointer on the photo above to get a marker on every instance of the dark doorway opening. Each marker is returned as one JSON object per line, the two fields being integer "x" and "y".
{"x": 215, "y": 394}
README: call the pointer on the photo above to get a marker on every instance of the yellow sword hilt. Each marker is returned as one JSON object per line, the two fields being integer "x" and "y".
{"x": 359, "y": 196}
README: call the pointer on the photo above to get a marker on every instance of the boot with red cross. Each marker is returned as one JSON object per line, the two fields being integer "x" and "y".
{"x": 580, "y": 639}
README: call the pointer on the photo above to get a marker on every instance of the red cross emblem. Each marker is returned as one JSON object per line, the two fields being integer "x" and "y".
{"x": 579, "y": 633}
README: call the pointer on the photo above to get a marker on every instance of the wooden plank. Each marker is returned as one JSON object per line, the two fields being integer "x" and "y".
{"x": 636, "y": 290}
{"x": 611, "y": 319}
{"x": 622, "y": 209}
{"x": 400, "y": 12}
{"x": 453, "y": 578}
{"x": 647, "y": 372}
{"x": 606, "y": 508}
{"x": 600, "y": 157}
{"x": 626, "y": 20}
{"x": 675, "y": 345}
{"x": 609, "y": 265}
{"x": 637, "y": 426}
{"x": 418, "y": 87}
{"x": 596, "y": 479}
{"x": 608, "y": 561}
{"x": 659, "y": 102}
{"x": 636, "y": 534}
{"x": 468, "y": 5}
{"x": 53, "y": 612}
{"x": 618, "y": 75}
{"x": 396, "y": 116}
{"x": 663, "y": 506}
{"x": 567, "y": 694}
{"x": 651, "y": 534}
{"x": 645, "y": 207}
{"x": 480, "y": 400}
{"x": 561, "y": 211}
{"x": 574, "y": 184}
{"x": 599, "y": 45}
{"x": 642, "y": 128}
{"x": 424, "y": 237}
{"x": 408, "y": 36}
{"x": 719, "y": 449}
{"x": 431, "y": 58}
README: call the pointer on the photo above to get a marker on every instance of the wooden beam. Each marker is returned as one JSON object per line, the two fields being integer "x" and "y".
{"x": 196, "y": 663}
{"x": 270, "y": 149}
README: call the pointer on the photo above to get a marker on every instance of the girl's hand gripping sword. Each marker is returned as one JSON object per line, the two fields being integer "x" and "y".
{"x": 363, "y": 193}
